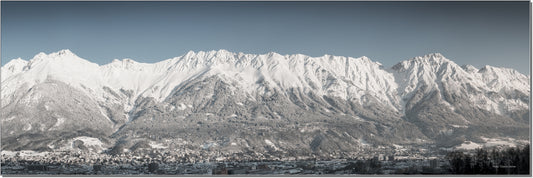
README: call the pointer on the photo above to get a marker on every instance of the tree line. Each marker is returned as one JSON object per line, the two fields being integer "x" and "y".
{"x": 497, "y": 161}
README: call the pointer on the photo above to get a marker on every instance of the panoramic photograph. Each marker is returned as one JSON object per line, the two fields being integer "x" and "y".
{"x": 265, "y": 88}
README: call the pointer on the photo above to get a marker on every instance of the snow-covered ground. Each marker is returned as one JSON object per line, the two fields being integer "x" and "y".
{"x": 269, "y": 143}
{"x": 491, "y": 142}
{"x": 469, "y": 145}
{"x": 157, "y": 145}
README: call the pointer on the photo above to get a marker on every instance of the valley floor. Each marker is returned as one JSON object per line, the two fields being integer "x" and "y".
{"x": 153, "y": 162}
{"x": 303, "y": 167}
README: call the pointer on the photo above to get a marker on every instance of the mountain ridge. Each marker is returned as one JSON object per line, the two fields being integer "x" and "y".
{"x": 213, "y": 53}
{"x": 416, "y": 99}
{"x": 216, "y": 60}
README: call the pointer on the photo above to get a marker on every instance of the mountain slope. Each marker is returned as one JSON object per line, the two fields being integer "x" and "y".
{"x": 237, "y": 101}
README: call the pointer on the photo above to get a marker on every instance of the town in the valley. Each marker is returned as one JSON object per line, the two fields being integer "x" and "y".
{"x": 392, "y": 160}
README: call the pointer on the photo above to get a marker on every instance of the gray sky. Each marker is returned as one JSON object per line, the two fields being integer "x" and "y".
{"x": 477, "y": 33}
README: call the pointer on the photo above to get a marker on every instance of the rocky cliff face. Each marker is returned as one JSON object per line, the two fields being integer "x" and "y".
{"x": 235, "y": 102}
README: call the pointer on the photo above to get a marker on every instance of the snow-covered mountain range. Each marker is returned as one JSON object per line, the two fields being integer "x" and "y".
{"x": 426, "y": 99}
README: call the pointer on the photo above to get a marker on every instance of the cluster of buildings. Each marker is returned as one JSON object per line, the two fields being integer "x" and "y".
{"x": 394, "y": 160}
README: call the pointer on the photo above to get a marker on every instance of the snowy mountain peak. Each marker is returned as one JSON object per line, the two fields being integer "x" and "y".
{"x": 62, "y": 54}
{"x": 223, "y": 51}
{"x": 431, "y": 58}
{"x": 430, "y": 62}
{"x": 367, "y": 60}
{"x": 435, "y": 55}
{"x": 17, "y": 61}
{"x": 128, "y": 60}
{"x": 469, "y": 68}
{"x": 500, "y": 71}
{"x": 13, "y": 67}
{"x": 65, "y": 52}
{"x": 488, "y": 68}
{"x": 500, "y": 78}
{"x": 40, "y": 55}
{"x": 485, "y": 68}
{"x": 189, "y": 54}
{"x": 207, "y": 56}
